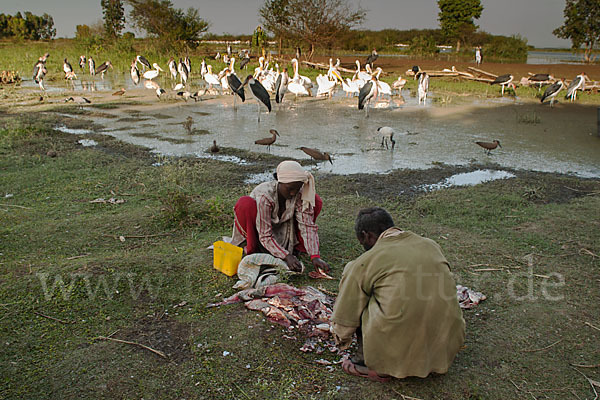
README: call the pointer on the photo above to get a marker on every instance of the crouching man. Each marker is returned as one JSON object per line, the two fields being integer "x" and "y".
{"x": 400, "y": 299}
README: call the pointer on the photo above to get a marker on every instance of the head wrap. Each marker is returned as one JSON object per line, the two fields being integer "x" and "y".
{"x": 291, "y": 171}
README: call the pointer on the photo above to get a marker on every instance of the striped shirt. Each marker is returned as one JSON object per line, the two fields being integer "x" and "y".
{"x": 277, "y": 234}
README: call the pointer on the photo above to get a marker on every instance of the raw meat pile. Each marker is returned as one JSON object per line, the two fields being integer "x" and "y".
{"x": 305, "y": 311}
{"x": 468, "y": 298}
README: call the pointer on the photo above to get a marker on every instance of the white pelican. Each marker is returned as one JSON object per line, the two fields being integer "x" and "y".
{"x": 301, "y": 79}
{"x": 577, "y": 84}
{"x": 552, "y": 90}
{"x": 383, "y": 87}
{"x": 211, "y": 78}
{"x": 399, "y": 84}
{"x": 332, "y": 73}
{"x": 152, "y": 73}
{"x": 350, "y": 87}
{"x": 423, "y": 87}
{"x": 325, "y": 86}
{"x": 179, "y": 86}
{"x": 154, "y": 86}
{"x": 259, "y": 70}
{"x": 259, "y": 92}
{"x": 365, "y": 76}
{"x": 172, "y": 68}
{"x": 504, "y": 80}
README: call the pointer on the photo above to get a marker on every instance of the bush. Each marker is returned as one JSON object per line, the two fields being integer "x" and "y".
{"x": 512, "y": 48}
{"x": 423, "y": 46}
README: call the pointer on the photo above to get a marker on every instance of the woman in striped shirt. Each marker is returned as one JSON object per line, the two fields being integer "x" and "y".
{"x": 278, "y": 217}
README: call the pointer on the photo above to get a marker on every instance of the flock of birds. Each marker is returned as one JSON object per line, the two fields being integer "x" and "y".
{"x": 264, "y": 81}
{"x": 506, "y": 81}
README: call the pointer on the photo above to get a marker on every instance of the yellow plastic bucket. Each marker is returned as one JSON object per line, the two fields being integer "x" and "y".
{"x": 226, "y": 257}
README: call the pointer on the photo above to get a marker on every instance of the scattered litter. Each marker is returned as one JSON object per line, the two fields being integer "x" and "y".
{"x": 323, "y": 361}
{"x": 122, "y": 238}
{"x": 8, "y": 195}
{"x": 87, "y": 142}
{"x": 226, "y": 353}
{"x": 468, "y": 298}
{"x": 112, "y": 200}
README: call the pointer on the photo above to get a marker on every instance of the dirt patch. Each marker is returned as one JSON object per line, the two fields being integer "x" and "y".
{"x": 163, "y": 334}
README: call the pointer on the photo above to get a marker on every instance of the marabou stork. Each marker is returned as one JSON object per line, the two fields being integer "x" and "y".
{"x": 504, "y": 80}
{"x": 244, "y": 62}
{"x": 82, "y": 62}
{"x": 144, "y": 61}
{"x": 39, "y": 72}
{"x": 92, "y": 65}
{"x": 577, "y": 84}
{"x": 368, "y": 92}
{"x": 135, "y": 73}
{"x": 67, "y": 67}
{"x": 281, "y": 85}
{"x": 268, "y": 141}
{"x": 173, "y": 68}
{"x": 183, "y": 70}
{"x": 259, "y": 92}
{"x": 236, "y": 87}
{"x": 552, "y": 90}
{"x": 188, "y": 64}
{"x": 372, "y": 57}
{"x": 540, "y": 79}
{"x": 103, "y": 68}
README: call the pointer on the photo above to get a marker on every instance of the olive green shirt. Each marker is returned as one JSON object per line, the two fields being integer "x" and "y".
{"x": 403, "y": 297}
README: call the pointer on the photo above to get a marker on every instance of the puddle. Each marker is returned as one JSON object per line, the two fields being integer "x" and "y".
{"x": 255, "y": 179}
{"x": 87, "y": 142}
{"x": 468, "y": 179}
{"x": 72, "y": 131}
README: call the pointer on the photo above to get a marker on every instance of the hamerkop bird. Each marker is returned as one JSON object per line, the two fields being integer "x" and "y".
{"x": 316, "y": 154}
{"x": 489, "y": 146}
{"x": 268, "y": 141}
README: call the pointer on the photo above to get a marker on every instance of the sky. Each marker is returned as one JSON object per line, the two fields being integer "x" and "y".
{"x": 532, "y": 19}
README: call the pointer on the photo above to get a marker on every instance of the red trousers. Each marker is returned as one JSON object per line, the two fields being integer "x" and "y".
{"x": 245, "y": 220}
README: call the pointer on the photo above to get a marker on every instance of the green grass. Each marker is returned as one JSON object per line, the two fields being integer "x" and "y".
{"x": 135, "y": 289}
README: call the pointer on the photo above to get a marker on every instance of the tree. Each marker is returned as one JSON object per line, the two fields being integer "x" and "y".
{"x": 114, "y": 17}
{"x": 275, "y": 16}
{"x": 456, "y": 18}
{"x": 320, "y": 23}
{"x": 158, "y": 18}
{"x": 582, "y": 25}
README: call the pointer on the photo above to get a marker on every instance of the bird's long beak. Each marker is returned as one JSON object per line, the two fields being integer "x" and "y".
{"x": 337, "y": 75}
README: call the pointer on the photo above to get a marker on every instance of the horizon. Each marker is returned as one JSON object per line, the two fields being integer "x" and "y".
{"x": 498, "y": 18}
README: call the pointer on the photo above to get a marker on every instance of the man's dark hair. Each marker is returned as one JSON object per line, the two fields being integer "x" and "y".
{"x": 373, "y": 219}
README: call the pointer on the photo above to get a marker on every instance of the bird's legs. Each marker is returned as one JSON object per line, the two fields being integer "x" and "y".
{"x": 393, "y": 143}
{"x": 259, "y": 112}
{"x": 234, "y": 96}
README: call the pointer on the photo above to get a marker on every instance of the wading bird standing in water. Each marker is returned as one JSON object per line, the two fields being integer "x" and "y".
{"x": 258, "y": 91}
{"x": 317, "y": 154}
{"x": 489, "y": 146}
{"x": 368, "y": 92}
{"x": 268, "y": 141}
{"x": 576, "y": 84}
{"x": 551, "y": 91}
